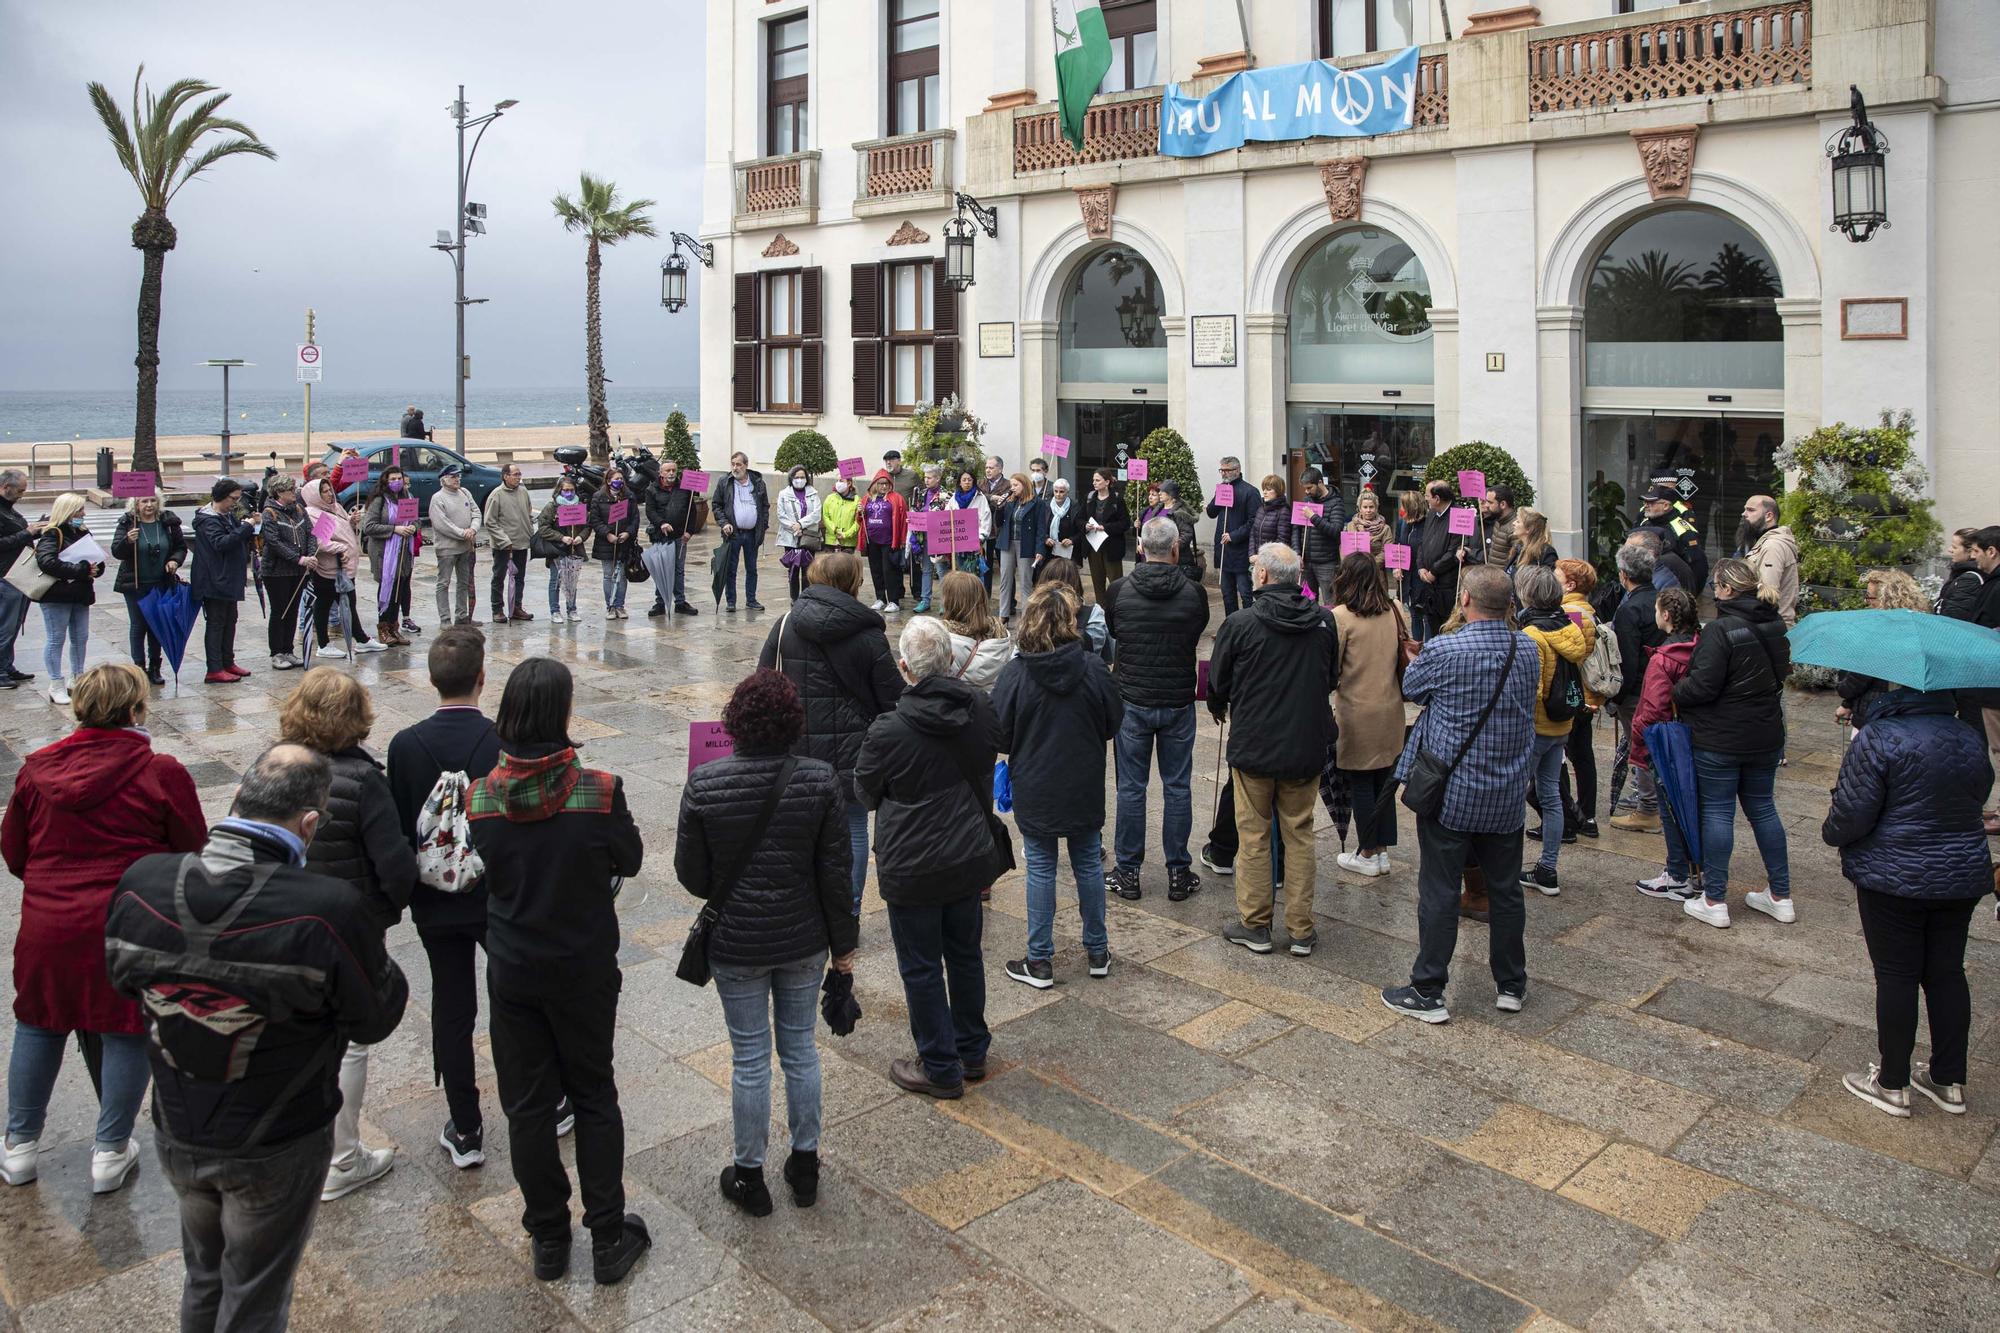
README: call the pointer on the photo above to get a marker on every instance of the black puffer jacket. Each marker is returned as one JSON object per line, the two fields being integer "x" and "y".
{"x": 602, "y": 528}
{"x": 1959, "y": 598}
{"x": 1638, "y": 633}
{"x": 1111, "y": 515}
{"x": 791, "y": 896}
{"x": 360, "y": 839}
{"x": 1322, "y": 546}
{"x": 836, "y": 652}
{"x": 1273, "y": 674}
{"x": 288, "y": 537}
{"x": 1731, "y": 695}
{"x": 926, "y": 770}
{"x": 1057, "y": 710}
{"x": 75, "y": 580}
{"x": 127, "y": 554}
{"x": 1156, "y": 617}
{"x": 1905, "y": 811}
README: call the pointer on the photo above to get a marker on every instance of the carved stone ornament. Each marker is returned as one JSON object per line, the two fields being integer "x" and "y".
{"x": 907, "y": 234}
{"x": 1341, "y": 179}
{"x": 779, "y": 247}
{"x": 1666, "y": 155}
{"x": 1095, "y": 204}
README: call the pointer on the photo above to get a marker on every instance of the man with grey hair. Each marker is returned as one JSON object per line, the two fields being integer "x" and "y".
{"x": 997, "y": 487}
{"x": 926, "y": 770}
{"x": 17, "y": 534}
{"x": 1274, "y": 668}
{"x": 1638, "y": 634}
{"x": 1156, "y": 616}
{"x": 1233, "y": 505}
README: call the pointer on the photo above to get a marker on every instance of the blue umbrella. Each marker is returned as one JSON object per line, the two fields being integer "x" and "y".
{"x": 170, "y": 613}
{"x": 1671, "y": 747}
{"x": 1910, "y": 648}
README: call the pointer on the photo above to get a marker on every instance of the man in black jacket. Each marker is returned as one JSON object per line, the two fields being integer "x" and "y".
{"x": 457, "y": 738}
{"x": 1156, "y": 617}
{"x": 254, "y": 973}
{"x": 1638, "y": 633}
{"x": 667, "y": 508}
{"x": 222, "y": 561}
{"x": 17, "y": 534}
{"x": 1321, "y": 547}
{"x": 1662, "y": 510}
{"x": 1232, "y": 531}
{"x": 1436, "y": 555}
{"x": 1275, "y": 670}
{"x": 742, "y": 514}
{"x": 926, "y": 769}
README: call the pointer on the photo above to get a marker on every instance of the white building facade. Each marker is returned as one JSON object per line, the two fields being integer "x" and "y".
{"x": 1602, "y": 245}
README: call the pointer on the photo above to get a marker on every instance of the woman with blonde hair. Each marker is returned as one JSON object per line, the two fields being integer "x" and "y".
{"x": 979, "y": 643}
{"x": 1531, "y": 542}
{"x": 150, "y": 551}
{"x": 1882, "y": 590}
{"x": 66, "y": 605}
{"x": 360, "y": 841}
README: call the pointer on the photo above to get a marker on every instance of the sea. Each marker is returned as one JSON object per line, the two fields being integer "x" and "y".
{"x": 106, "y": 414}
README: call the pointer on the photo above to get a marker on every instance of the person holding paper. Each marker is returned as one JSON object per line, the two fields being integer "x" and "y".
{"x": 613, "y": 540}
{"x": 289, "y": 547}
{"x": 1233, "y": 507}
{"x": 150, "y": 550}
{"x": 221, "y": 540}
{"x": 382, "y": 526}
{"x": 801, "y": 528}
{"x": 563, "y": 527}
{"x": 1065, "y": 533}
{"x": 1321, "y": 547}
{"x": 1368, "y": 519}
{"x": 1106, "y": 520}
{"x": 667, "y": 507}
{"x": 454, "y": 537}
{"x": 510, "y": 524}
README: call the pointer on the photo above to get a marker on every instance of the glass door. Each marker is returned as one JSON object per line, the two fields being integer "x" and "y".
{"x": 1717, "y": 462}
{"x": 1362, "y": 444}
{"x": 1104, "y": 434}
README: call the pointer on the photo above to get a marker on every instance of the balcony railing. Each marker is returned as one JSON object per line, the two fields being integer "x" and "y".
{"x": 908, "y": 164}
{"x": 774, "y": 189}
{"x": 1659, "y": 57}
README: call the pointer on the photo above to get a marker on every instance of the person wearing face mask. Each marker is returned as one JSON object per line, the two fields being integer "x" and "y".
{"x": 613, "y": 541}
{"x": 381, "y": 527}
{"x": 800, "y": 529}
{"x": 667, "y": 506}
{"x": 244, "y": 1128}
{"x": 840, "y": 517}
{"x": 149, "y": 549}
{"x": 1038, "y": 478}
{"x": 336, "y": 560}
{"x": 566, "y": 541}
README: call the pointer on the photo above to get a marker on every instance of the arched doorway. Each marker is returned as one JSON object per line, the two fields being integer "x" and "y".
{"x": 1359, "y": 397}
{"x": 1111, "y": 359}
{"x": 1684, "y": 370}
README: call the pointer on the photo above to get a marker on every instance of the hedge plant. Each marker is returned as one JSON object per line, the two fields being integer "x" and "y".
{"x": 1500, "y": 467}
{"x": 1859, "y": 504}
{"x": 1168, "y": 458}
{"x": 807, "y": 449}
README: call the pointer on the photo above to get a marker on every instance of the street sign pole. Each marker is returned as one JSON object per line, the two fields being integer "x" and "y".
{"x": 310, "y": 341}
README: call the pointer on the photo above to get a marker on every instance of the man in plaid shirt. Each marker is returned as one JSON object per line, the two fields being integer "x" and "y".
{"x": 1454, "y": 677}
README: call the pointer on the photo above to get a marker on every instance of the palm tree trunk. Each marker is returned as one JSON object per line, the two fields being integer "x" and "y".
{"x": 593, "y": 357}
{"x": 153, "y": 236}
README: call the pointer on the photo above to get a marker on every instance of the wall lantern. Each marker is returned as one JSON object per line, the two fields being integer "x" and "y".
{"x": 674, "y": 270}
{"x": 1860, "y": 182}
{"x": 958, "y": 237}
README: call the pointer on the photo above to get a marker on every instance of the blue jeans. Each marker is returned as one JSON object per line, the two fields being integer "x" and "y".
{"x": 944, "y": 983}
{"x": 1548, "y": 770}
{"x": 1173, "y": 730}
{"x": 614, "y": 584}
{"x": 13, "y": 608}
{"x": 31, "y": 1079}
{"x": 754, "y": 1001}
{"x": 742, "y": 546}
{"x": 1235, "y": 588}
{"x": 1723, "y": 780}
{"x": 60, "y": 620}
{"x": 857, "y": 843}
{"x": 1086, "y": 863}
{"x": 920, "y": 577}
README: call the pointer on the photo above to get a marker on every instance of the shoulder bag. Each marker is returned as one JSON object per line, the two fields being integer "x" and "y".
{"x": 28, "y": 578}
{"x": 694, "y": 967}
{"x": 1430, "y": 775}
{"x": 1406, "y": 647}
{"x": 996, "y": 827}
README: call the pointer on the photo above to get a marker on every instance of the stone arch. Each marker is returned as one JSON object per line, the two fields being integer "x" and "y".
{"x": 1271, "y": 277}
{"x": 1041, "y": 295}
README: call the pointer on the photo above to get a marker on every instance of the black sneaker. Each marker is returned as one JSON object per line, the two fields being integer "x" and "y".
{"x": 565, "y": 1118}
{"x": 1540, "y": 877}
{"x": 1257, "y": 939}
{"x": 1587, "y": 827}
{"x": 1034, "y": 972}
{"x": 611, "y": 1260}
{"x": 754, "y": 605}
{"x": 744, "y": 1187}
{"x": 467, "y": 1150}
{"x": 802, "y": 1174}
{"x": 1100, "y": 964}
{"x": 1182, "y": 884}
{"x": 1409, "y": 1000}
{"x": 683, "y": 609}
{"x": 19, "y": 677}
{"x": 1534, "y": 834}
{"x": 656, "y": 610}
{"x": 1212, "y": 859}
{"x": 411, "y": 627}
{"x": 1125, "y": 883}
{"x": 551, "y": 1256}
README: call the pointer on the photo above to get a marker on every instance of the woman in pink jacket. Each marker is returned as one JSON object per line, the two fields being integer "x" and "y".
{"x": 1674, "y": 612}
{"x": 338, "y": 561}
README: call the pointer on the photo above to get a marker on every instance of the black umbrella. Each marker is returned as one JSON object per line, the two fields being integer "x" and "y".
{"x": 837, "y": 1004}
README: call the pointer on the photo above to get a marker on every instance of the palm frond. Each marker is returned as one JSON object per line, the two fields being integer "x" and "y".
{"x": 115, "y": 126}
{"x": 159, "y": 146}
{"x": 227, "y": 148}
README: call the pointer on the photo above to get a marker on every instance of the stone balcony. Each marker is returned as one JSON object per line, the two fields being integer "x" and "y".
{"x": 903, "y": 173}
{"x": 777, "y": 191}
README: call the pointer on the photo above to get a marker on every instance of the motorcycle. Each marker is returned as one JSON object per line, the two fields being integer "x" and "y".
{"x": 585, "y": 476}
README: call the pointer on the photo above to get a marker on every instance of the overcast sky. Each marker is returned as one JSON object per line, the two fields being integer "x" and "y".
{"x": 352, "y": 96}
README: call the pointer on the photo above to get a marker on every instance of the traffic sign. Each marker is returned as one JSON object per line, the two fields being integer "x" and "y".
{"x": 308, "y": 355}
{"x": 309, "y": 374}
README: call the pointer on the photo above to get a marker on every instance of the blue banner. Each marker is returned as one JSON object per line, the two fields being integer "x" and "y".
{"x": 1305, "y": 101}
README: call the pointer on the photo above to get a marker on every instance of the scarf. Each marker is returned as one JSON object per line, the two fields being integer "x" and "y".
{"x": 1057, "y": 510}
{"x": 1378, "y": 531}
{"x": 965, "y": 498}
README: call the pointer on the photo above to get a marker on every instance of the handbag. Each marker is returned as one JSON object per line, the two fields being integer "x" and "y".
{"x": 1424, "y": 791}
{"x": 28, "y": 578}
{"x": 1406, "y": 647}
{"x": 635, "y": 568}
{"x": 694, "y": 967}
{"x": 1003, "y": 837}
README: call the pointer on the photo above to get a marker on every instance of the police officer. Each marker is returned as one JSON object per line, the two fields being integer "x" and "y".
{"x": 1666, "y": 513}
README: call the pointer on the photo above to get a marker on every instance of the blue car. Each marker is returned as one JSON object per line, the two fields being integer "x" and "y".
{"x": 422, "y": 461}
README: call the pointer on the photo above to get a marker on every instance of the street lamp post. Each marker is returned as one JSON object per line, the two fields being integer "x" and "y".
{"x": 470, "y": 217}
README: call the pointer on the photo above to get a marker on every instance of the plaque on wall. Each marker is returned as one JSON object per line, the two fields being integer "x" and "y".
{"x": 1869, "y": 317}
{"x": 1212, "y": 340}
{"x": 996, "y": 339}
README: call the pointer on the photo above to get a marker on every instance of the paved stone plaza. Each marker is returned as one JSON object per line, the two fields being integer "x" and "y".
{"x": 1207, "y": 1139}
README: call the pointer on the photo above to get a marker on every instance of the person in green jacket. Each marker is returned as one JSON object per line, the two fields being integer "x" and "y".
{"x": 840, "y": 517}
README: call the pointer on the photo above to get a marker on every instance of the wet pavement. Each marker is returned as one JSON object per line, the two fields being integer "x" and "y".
{"x": 1206, "y": 1139}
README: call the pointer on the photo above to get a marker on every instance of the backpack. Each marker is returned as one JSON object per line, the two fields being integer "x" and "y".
{"x": 1604, "y": 669}
{"x": 1565, "y": 697}
{"x": 445, "y": 858}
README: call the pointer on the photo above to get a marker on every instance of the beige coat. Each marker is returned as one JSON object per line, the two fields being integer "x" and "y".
{"x": 1368, "y": 704}
{"x": 1775, "y": 557}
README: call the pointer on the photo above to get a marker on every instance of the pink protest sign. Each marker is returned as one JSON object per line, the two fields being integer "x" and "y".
{"x": 133, "y": 485}
{"x": 353, "y": 470}
{"x": 1472, "y": 485}
{"x": 706, "y": 741}
{"x": 572, "y": 515}
{"x": 1135, "y": 470}
{"x": 960, "y": 529}
{"x": 1201, "y": 680}
{"x": 852, "y": 468}
{"x": 920, "y": 522}
{"x": 406, "y": 511}
{"x": 617, "y": 512}
{"x": 1395, "y": 557}
{"x": 694, "y": 479}
{"x": 1056, "y": 445}
{"x": 1225, "y": 495}
{"x": 1304, "y": 512}
{"x": 324, "y": 527}
{"x": 1464, "y": 521}
{"x": 1355, "y": 543}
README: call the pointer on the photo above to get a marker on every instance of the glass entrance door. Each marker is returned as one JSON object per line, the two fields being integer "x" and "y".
{"x": 1718, "y": 462}
{"x": 1099, "y": 432}
{"x": 1362, "y": 444}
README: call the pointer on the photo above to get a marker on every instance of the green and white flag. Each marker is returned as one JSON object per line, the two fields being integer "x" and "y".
{"x": 1083, "y": 54}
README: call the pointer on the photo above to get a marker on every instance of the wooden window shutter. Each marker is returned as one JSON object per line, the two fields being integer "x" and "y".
{"x": 944, "y": 368}
{"x": 812, "y": 376}
{"x": 743, "y": 378}
{"x": 864, "y": 302}
{"x": 944, "y": 305}
{"x": 746, "y": 307}
{"x": 868, "y": 377}
{"x": 809, "y": 303}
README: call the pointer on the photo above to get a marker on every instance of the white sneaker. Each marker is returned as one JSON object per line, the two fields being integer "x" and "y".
{"x": 58, "y": 695}
{"x": 575, "y": 617}
{"x": 1381, "y": 863}
{"x": 20, "y": 1164}
{"x": 328, "y": 650}
{"x": 371, "y": 646}
{"x": 110, "y": 1170}
{"x": 1701, "y": 909}
{"x": 1663, "y": 885}
{"x": 367, "y": 1166}
{"x": 1356, "y": 863}
{"x": 891, "y": 608}
{"x": 876, "y": 605}
{"x": 1778, "y": 909}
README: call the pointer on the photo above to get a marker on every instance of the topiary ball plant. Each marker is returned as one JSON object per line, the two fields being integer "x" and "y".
{"x": 1501, "y": 468}
{"x": 1168, "y": 458}
{"x": 677, "y": 443}
{"x": 807, "y": 449}
{"x": 1859, "y": 504}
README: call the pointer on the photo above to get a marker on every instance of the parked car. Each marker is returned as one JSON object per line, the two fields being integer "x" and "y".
{"x": 422, "y": 461}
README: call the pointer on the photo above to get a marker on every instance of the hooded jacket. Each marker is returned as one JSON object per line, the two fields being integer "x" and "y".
{"x": 836, "y": 653}
{"x": 899, "y": 516}
{"x": 1959, "y": 598}
{"x": 602, "y": 528}
{"x": 127, "y": 553}
{"x": 1730, "y": 697}
{"x": 1156, "y": 616}
{"x": 221, "y": 560}
{"x": 1057, "y": 711}
{"x": 1775, "y": 557}
{"x": 288, "y": 539}
{"x": 1638, "y": 632}
{"x": 926, "y": 769}
{"x": 1655, "y": 703}
{"x": 841, "y": 517}
{"x": 791, "y": 896}
{"x": 977, "y": 662}
{"x": 83, "y": 810}
{"x": 557, "y": 840}
{"x": 1905, "y": 811}
{"x": 1556, "y": 636}
{"x": 360, "y": 840}
{"x": 1272, "y": 674}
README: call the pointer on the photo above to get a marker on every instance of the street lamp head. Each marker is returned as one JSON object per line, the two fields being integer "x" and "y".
{"x": 674, "y": 282}
{"x": 1860, "y": 177}
{"x": 498, "y": 107}
{"x": 958, "y": 263}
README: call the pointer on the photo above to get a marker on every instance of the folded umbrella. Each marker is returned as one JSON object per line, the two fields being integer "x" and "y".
{"x": 170, "y": 611}
{"x": 660, "y": 558}
{"x": 837, "y": 1004}
{"x": 1671, "y": 747}
{"x": 1909, "y": 648}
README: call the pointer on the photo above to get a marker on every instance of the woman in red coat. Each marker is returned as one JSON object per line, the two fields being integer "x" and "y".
{"x": 84, "y": 809}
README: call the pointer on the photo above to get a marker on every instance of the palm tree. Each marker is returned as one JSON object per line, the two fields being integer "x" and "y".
{"x": 597, "y": 213}
{"x": 157, "y": 148}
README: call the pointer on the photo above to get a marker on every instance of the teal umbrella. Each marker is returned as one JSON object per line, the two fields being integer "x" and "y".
{"x": 1911, "y": 648}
